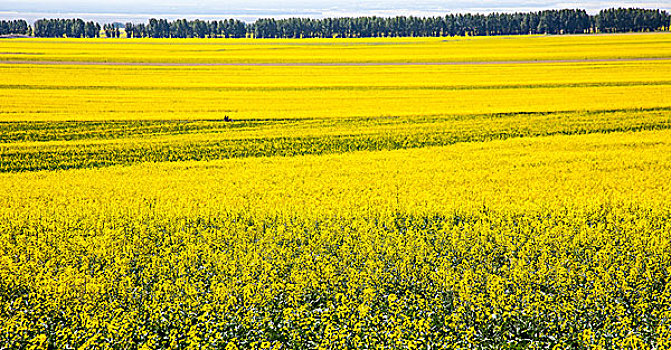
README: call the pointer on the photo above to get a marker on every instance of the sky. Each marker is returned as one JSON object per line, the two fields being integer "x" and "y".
{"x": 249, "y": 10}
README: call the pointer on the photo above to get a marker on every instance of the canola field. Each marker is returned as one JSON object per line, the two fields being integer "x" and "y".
{"x": 470, "y": 193}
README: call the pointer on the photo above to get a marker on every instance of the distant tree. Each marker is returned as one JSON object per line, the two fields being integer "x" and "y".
{"x": 128, "y": 28}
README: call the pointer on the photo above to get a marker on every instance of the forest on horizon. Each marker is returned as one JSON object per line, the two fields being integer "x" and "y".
{"x": 567, "y": 21}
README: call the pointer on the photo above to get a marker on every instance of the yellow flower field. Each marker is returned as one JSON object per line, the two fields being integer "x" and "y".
{"x": 455, "y": 49}
{"x": 335, "y": 249}
{"x": 509, "y": 205}
{"x": 242, "y": 92}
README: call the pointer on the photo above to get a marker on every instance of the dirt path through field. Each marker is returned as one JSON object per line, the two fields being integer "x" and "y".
{"x": 307, "y": 64}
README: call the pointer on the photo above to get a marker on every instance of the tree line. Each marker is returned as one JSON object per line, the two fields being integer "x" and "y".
{"x": 16, "y": 27}
{"x": 566, "y": 21}
{"x": 182, "y": 28}
{"x": 71, "y": 28}
{"x": 541, "y": 22}
{"x": 631, "y": 20}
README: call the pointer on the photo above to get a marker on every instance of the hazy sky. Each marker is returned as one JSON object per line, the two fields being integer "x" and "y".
{"x": 251, "y": 9}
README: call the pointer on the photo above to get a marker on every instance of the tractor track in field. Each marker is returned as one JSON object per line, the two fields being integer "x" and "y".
{"x": 326, "y": 64}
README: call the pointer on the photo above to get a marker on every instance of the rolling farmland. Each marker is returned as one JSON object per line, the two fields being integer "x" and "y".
{"x": 396, "y": 193}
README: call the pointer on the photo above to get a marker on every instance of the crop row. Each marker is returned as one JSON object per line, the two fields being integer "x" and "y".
{"x": 218, "y": 140}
